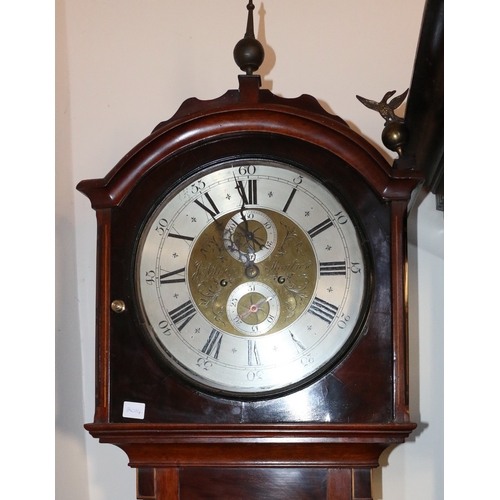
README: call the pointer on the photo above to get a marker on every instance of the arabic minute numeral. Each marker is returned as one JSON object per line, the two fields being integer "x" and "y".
{"x": 150, "y": 277}
{"x": 247, "y": 170}
{"x": 204, "y": 364}
{"x": 342, "y": 323}
{"x": 355, "y": 267}
{"x": 307, "y": 360}
{"x": 341, "y": 218}
{"x": 197, "y": 187}
{"x": 254, "y": 375}
{"x": 165, "y": 329}
{"x": 161, "y": 227}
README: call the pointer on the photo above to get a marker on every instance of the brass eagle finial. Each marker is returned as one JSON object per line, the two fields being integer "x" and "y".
{"x": 385, "y": 108}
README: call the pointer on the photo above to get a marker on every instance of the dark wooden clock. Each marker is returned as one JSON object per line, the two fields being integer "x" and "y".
{"x": 251, "y": 307}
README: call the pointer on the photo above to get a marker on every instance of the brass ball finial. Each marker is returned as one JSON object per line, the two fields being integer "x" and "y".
{"x": 249, "y": 52}
{"x": 395, "y": 136}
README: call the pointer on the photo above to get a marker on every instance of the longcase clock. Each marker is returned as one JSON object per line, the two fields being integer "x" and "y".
{"x": 251, "y": 309}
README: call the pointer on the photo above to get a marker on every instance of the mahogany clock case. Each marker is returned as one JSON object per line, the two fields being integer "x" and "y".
{"x": 326, "y": 434}
{"x": 357, "y": 387}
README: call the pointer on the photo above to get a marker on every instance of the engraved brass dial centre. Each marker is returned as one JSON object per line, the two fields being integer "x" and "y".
{"x": 224, "y": 258}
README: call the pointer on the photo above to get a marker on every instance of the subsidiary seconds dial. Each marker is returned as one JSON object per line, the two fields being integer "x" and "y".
{"x": 251, "y": 278}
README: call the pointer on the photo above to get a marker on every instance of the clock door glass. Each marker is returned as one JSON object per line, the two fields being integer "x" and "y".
{"x": 251, "y": 278}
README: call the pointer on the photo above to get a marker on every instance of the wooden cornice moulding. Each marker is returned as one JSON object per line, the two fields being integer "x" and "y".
{"x": 201, "y": 122}
{"x": 286, "y": 445}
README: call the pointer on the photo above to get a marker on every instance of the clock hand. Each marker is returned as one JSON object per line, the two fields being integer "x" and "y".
{"x": 255, "y": 308}
{"x": 239, "y": 188}
{"x": 249, "y": 235}
{"x": 253, "y": 242}
{"x": 234, "y": 243}
{"x": 225, "y": 234}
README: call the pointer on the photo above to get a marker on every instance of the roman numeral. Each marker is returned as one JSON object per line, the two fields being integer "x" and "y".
{"x": 335, "y": 268}
{"x": 213, "y": 343}
{"x": 298, "y": 344}
{"x": 290, "y": 198}
{"x": 320, "y": 228}
{"x": 253, "y": 353}
{"x": 213, "y": 212}
{"x": 248, "y": 195}
{"x": 183, "y": 314}
{"x": 164, "y": 278}
{"x": 323, "y": 310}
{"x": 180, "y": 236}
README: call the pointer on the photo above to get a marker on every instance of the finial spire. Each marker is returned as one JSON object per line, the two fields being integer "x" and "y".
{"x": 249, "y": 52}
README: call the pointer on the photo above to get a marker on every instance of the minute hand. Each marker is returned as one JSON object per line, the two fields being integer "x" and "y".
{"x": 249, "y": 235}
{"x": 244, "y": 200}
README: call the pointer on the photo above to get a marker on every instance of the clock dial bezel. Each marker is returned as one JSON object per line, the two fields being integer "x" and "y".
{"x": 184, "y": 372}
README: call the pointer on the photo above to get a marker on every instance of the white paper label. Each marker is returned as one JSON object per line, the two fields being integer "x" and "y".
{"x": 133, "y": 410}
